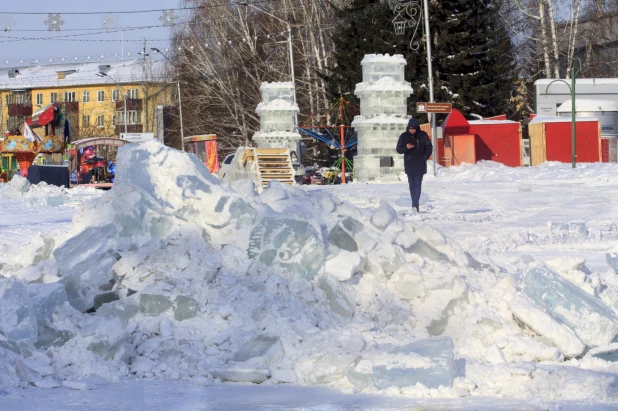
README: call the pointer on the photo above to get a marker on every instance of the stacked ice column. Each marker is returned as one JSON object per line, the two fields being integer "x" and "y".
{"x": 277, "y": 111}
{"x": 383, "y": 116}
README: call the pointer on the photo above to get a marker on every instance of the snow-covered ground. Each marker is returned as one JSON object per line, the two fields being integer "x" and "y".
{"x": 498, "y": 295}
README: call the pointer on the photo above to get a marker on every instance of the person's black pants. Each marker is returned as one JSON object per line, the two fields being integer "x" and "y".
{"x": 415, "y": 183}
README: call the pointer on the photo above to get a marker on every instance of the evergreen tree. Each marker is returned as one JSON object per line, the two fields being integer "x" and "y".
{"x": 472, "y": 55}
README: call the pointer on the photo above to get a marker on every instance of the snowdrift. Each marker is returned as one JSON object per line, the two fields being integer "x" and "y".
{"x": 173, "y": 274}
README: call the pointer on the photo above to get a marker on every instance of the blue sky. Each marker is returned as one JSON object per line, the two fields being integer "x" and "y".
{"x": 107, "y": 44}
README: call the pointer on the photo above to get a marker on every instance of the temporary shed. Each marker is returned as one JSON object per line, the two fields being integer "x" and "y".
{"x": 550, "y": 140}
{"x": 606, "y": 111}
{"x": 491, "y": 139}
{"x": 498, "y": 140}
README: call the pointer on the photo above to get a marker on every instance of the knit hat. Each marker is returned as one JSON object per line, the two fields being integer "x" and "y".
{"x": 412, "y": 123}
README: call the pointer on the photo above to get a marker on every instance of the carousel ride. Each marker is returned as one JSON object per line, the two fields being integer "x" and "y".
{"x": 18, "y": 150}
{"x": 333, "y": 127}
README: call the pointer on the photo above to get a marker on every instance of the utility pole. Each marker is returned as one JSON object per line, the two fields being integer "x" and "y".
{"x": 434, "y": 138}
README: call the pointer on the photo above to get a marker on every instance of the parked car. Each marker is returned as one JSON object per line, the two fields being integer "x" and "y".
{"x": 225, "y": 165}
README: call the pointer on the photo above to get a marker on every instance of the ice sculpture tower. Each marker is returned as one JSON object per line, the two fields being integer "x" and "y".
{"x": 277, "y": 111}
{"x": 383, "y": 116}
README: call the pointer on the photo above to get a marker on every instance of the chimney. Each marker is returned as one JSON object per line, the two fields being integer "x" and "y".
{"x": 13, "y": 73}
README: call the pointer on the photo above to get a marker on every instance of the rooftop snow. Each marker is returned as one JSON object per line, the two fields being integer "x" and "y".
{"x": 492, "y": 122}
{"x": 552, "y": 119}
{"x": 586, "y": 81}
{"x": 86, "y": 74}
{"x": 588, "y": 105}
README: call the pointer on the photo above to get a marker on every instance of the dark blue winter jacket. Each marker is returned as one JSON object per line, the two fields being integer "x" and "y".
{"x": 415, "y": 158}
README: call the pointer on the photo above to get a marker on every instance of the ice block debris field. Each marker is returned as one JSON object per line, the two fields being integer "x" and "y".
{"x": 173, "y": 274}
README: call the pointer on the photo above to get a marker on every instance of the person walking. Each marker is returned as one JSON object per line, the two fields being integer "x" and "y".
{"x": 416, "y": 147}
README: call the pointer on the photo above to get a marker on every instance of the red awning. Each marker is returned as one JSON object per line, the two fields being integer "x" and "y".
{"x": 42, "y": 116}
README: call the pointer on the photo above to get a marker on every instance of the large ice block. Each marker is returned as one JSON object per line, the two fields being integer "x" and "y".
{"x": 153, "y": 305}
{"x": 291, "y": 244}
{"x": 85, "y": 263}
{"x": 255, "y": 348}
{"x": 47, "y": 299}
{"x": 338, "y": 301}
{"x": 339, "y": 237}
{"x": 17, "y": 316}
{"x": 430, "y": 362}
{"x": 591, "y": 319}
{"x": 186, "y": 308}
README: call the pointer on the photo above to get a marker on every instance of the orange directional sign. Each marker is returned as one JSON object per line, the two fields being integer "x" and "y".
{"x": 434, "y": 107}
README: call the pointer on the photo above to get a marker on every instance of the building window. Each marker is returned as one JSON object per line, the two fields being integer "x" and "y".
{"x": 100, "y": 121}
{"x": 39, "y": 98}
{"x": 85, "y": 121}
{"x": 100, "y": 95}
{"x": 69, "y": 96}
{"x": 113, "y": 119}
{"x": 115, "y": 95}
{"x": 86, "y": 97}
{"x": 53, "y": 97}
{"x": 7, "y": 99}
{"x": 133, "y": 117}
{"x": 132, "y": 93}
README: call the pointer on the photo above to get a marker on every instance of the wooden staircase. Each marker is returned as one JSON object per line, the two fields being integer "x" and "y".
{"x": 273, "y": 164}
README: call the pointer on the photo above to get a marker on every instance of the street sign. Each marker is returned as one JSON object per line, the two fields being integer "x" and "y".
{"x": 434, "y": 107}
{"x": 137, "y": 137}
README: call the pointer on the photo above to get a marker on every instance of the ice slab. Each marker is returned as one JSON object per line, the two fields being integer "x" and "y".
{"x": 338, "y": 301}
{"x": 541, "y": 323}
{"x": 254, "y": 375}
{"x": 186, "y": 308}
{"x": 607, "y": 353}
{"x": 291, "y": 244}
{"x": 383, "y": 216}
{"x": 153, "y": 305}
{"x": 49, "y": 337}
{"x": 47, "y": 299}
{"x": 105, "y": 298}
{"x": 430, "y": 362}
{"x": 124, "y": 309}
{"x": 18, "y": 319}
{"x": 612, "y": 260}
{"x": 426, "y": 250}
{"x": 340, "y": 238}
{"x": 85, "y": 263}
{"x": 256, "y": 347}
{"x": 591, "y": 319}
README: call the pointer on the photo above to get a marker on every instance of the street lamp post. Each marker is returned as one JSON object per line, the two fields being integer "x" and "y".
{"x": 434, "y": 137}
{"x": 182, "y": 133}
{"x": 574, "y": 72}
{"x": 291, "y": 52}
{"x": 102, "y": 74}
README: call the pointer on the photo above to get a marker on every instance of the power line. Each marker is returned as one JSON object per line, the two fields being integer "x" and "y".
{"x": 212, "y": 6}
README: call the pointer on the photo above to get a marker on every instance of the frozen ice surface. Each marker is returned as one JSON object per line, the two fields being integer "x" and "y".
{"x": 359, "y": 373}
{"x": 85, "y": 264}
{"x": 186, "y": 308}
{"x": 383, "y": 216}
{"x": 291, "y": 244}
{"x": 124, "y": 310}
{"x": 153, "y": 304}
{"x": 591, "y": 319}
{"x": 255, "y": 348}
{"x": 340, "y": 238}
{"x": 17, "y": 316}
{"x": 338, "y": 301}
{"x": 431, "y": 363}
{"x": 46, "y": 299}
{"x": 607, "y": 353}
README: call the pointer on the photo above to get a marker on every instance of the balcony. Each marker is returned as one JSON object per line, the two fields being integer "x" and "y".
{"x": 133, "y": 104}
{"x": 131, "y": 128}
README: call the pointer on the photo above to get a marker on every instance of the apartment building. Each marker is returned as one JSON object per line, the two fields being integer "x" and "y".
{"x": 99, "y": 99}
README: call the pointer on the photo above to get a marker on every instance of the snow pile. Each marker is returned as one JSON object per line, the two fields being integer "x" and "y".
{"x": 175, "y": 275}
{"x": 38, "y": 194}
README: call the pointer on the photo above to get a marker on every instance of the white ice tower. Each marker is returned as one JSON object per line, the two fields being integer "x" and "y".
{"x": 383, "y": 116}
{"x": 277, "y": 111}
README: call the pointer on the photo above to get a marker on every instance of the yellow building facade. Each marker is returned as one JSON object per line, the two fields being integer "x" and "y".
{"x": 93, "y": 96}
